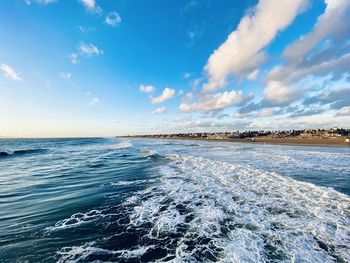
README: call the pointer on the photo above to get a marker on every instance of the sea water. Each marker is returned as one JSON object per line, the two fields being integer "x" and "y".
{"x": 134, "y": 200}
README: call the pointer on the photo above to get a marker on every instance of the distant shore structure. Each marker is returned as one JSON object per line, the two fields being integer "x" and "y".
{"x": 322, "y": 137}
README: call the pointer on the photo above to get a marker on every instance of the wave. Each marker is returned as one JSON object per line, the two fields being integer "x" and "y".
{"x": 204, "y": 210}
{"x": 124, "y": 144}
{"x": 150, "y": 152}
{"x": 22, "y": 152}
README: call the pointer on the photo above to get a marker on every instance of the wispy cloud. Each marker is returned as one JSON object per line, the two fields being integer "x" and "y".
{"x": 161, "y": 110}
{"x": 193, "y": 35}
{"x": 147, "y": 88}
{"x": 44, "y": 2}
{"x": 85, "y": 29}
{"x": 89, "y": 50}
{"x": 186, "y": 75}
{"x": 167, "y": 94}
{"x": 73, "y": 58}
{"x": 94, "y": 101}
{"x": 91, "y": 6}
{"x": 113, "y": 19}
{"x": 9, "y": 72}
{"x": 189, "y": 5}
{"x": 66, "y": 75}
{"x": 85, "y": 50}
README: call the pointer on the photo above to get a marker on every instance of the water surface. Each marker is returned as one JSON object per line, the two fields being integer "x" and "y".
{"x": 118, "y": 200}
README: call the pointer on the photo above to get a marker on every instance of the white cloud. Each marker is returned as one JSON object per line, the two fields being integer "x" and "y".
{"x": 344, "y": 112}
{"x": 186, "y": 75}
{"x": 73, "y": 58}
{"x": 242, "y": 53}
{"x": 44, "y": 2}
{"x": 210, "y": 102}
{"x": 267, "y": 112}
{"x": 91, "y": 6}
{"x": 146, "y": 89}
{"x": 161, "y": 110}
{"x": 330, "y": 23}
{"x": 9, "y": 72}
{"x": 252, "y": 75}
{"x": 65, "y": 75}
{"x": 85, "y": 29}
{"x": 113, "y": 19}
{"x": 321, "y": 51}
{"x": 94, "y": 101}
{"x": 290, "y": 74}
{"x": 89, "y": 50}
{"x": 167, "y": 93}
{"x": 279, "y": 94}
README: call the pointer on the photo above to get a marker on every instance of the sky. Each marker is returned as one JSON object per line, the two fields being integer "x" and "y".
{"x": 116, "y": 67}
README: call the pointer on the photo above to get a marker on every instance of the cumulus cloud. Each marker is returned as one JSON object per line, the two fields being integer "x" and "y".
{"x": 94, "y": 101}
{"x": 161, "y": 110}
{"x": 210, "y": 102}
{"x": 279, "y": 94}
{"x": 322, "y": 51}
{"x": 65, "y": 75}
{"x": 91, "y": 6}
{"x": 241, "y": 54}
{"x": 89, "y": 50}
{"x": 113, "y": 19}
{"x": 9, "y": 72}
{"x": 330, "y": 24}
{"x": 167, "y": 93}
{"x": 147, "y": 88}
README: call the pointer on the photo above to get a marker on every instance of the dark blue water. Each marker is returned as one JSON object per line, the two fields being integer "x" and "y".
{"x": 117, "y": 200}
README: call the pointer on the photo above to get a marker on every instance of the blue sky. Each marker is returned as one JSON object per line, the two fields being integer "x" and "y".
{"x": 107, "y": 67}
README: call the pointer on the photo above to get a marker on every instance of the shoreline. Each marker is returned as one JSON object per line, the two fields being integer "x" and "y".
{"x": 269, "y": 141}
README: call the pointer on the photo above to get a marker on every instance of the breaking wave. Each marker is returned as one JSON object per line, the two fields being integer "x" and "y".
{"x": 124, "y": 144}
{"x": 22, "y": 152}
{"x": 205, "y": 210}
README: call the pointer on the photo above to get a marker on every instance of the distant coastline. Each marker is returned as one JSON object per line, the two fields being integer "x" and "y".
{"x": 334, "y": 137}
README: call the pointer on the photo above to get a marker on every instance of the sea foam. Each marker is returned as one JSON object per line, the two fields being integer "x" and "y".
{"x": 205, "y": 210}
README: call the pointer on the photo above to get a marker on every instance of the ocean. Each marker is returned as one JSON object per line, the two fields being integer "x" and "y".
{"x": 135, "y": 200}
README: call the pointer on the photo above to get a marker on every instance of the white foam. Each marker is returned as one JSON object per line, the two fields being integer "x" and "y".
{"x": 134, "y": 182}
{"x": 124, "y": 144}
{"x": 81, "y": 253}
{"x": 148, "y": 152}
{"x": 232, "y": 212}
{"x": 267, "y": 215}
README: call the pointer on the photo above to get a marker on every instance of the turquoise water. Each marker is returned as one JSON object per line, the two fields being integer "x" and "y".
{"x": 118, "y": 200}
